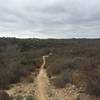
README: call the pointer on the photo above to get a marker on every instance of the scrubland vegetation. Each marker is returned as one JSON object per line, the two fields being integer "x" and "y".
{"x": 75, "y": 61}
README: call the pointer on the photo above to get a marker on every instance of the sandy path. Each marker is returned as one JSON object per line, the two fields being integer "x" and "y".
{"x": 47, "y": 92}
{"x": 40, "y": 86}
{"x": 42, "y": 82}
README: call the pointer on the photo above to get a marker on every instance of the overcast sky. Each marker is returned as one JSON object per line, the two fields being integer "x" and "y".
{"x": 50, "y": 18}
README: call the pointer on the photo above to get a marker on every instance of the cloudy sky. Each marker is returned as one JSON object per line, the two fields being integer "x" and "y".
{"x": 50, "y": 18}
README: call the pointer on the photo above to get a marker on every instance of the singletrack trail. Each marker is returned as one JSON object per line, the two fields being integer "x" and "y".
{"x": 41, "y": 89}
{"x": 45, "y": 91}
{"x": 42, "y": 82}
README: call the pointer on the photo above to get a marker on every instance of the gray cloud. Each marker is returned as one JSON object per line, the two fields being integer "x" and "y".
{"x": 50, "y": 18}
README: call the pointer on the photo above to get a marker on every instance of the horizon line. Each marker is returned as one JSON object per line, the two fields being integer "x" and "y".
{"x": 50, "y": 38}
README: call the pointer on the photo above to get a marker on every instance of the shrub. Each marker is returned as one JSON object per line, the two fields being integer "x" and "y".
{"x": 29, "y": 97}
{"x": 4, "y": 96}
{"x": 19, "y": 97}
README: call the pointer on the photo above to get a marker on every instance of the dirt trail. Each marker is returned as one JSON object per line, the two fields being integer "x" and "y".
{"x": 41, "y": 89}
{"x": 45, "y": 91}
{"x": 42, "y": 82}
{"x": 38, "y": 88}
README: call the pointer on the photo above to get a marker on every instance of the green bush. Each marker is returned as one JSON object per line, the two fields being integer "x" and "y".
{"x": 19, "y": 97}
{"x": 29, "y": 97}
